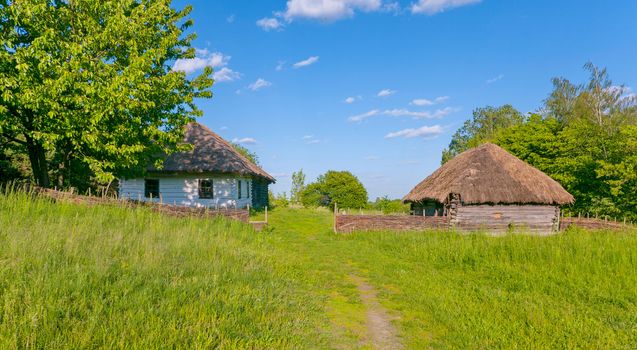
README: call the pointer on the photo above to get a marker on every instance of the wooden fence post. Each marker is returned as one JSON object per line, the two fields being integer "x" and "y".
{"x": 266, "y": 214}
{"x": 335, "y": 216}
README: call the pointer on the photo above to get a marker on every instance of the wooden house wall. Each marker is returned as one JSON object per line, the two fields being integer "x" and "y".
{"x": 183, "y": 190}
{"x": 537, "y": 219}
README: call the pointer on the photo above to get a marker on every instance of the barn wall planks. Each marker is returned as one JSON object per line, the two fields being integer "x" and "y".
{"x": 538, "y": 219}
{"x": 350, "y": 223}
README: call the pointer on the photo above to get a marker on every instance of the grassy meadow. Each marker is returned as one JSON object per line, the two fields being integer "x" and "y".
{"x": 74, "y": 276}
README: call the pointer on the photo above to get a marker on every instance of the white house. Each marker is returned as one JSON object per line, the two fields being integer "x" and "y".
{"x": 212, "y": 175}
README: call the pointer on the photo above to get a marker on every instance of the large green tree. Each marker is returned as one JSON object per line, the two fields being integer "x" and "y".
{"x": 340, "y": 187}
{"x": 87, "y": 85}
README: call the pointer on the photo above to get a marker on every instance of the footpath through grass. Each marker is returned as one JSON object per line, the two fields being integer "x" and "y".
{"x": 87, "y": 277}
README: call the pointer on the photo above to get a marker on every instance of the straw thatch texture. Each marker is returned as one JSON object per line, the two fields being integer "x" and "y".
{"x": 210, "y": 154}
{"x": 489, "y": 174}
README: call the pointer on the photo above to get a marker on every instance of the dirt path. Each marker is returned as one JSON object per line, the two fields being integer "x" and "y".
{"x": 381, "y": 332}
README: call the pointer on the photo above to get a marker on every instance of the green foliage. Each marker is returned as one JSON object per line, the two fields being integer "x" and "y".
{"x": 278, "y": 201}
{"x": 340, "y": 187}
{"x": 298, "y": 185}
{"x": 251, "y": 156}
{"x": 484, "y": 125}
{"x": 390, "y": 206}
{"x": 88, "y": 88}
{"x": 585, "y": 139}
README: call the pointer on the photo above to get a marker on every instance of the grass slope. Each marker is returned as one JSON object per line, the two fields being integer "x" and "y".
{"x": 86, "y": 277}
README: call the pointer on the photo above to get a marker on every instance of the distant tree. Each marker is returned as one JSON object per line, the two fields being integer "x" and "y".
{"x": 484, "y": 125}
{"x": 298, "y": 184}
{"x": 88, "y": 86}
{"x": 251, "y": 156}
{"x": 390, "y": 206}
{"x": 340, "y": 187}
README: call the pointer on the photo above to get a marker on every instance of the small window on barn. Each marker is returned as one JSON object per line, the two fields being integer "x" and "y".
{"x": 239, "y": 188}
{"x": 206, "y": 189}
{"x": 151, "y": 188}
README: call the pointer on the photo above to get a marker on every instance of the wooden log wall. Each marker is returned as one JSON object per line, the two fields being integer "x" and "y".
{"x": 350, "y": 223}
{"x": 242, "y": 215}
{"x": 537, "y": 219}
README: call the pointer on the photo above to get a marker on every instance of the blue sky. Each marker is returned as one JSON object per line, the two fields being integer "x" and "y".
{"x": 378, "y": 87}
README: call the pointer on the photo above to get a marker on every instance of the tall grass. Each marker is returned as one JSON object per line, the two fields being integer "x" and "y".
{"x": 74, "y": 276}
{"x": 573, "y": 290}
{"x": 87, "y": 277}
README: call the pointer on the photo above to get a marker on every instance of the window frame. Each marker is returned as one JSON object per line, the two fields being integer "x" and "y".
{"x": 210, "y": 194}
{"x": 239, "y": 188}
{"x": 148, "y": 191}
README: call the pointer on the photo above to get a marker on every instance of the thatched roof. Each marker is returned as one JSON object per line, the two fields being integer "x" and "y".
{"x": 210, "y": 154}
{"x": 489, "y": 174}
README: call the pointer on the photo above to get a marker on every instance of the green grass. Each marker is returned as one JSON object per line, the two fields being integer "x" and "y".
{"x": 88, "y": 277}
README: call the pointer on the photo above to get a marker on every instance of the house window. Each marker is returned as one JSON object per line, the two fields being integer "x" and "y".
{"x": 206, "y": 188}
{"x": 239, "y": 188}
{"x": 151, "y": 188}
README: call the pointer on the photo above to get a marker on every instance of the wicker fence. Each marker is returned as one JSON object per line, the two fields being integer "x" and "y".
{"x": 349, "y": 223}
{"x": 242, "y": 215}
{"x": 594, "y": 224}
{"x": 344, "y": 223}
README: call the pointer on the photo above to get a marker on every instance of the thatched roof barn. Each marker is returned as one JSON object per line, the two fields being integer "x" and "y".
{"x": 212, "y": 174}
{"x": 488, "y": 187}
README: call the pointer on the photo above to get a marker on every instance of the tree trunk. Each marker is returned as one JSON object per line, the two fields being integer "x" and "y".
{"x": 37, "y": 157}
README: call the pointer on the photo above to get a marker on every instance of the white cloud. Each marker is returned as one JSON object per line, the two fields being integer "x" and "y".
{"x": 307, "y": 62}
{"x": 422, "y": 102}
{"x": 432, "y": 7}
{"x": 402, "y": 112}
{"x": 425, "y": 132}
{"x": 494, "y": 79}
{"x": 350, "y": 100}
{"x": 280, "y": 66}
{"x": 226, "y": 74}
{"x": 328, "y": 10}
{"x": 385, "y": 93}
{"x": 311, "y": 140}
{"x": 259, "y": 84}
{"x": 269, "y": 24}
{"x": 361, "y": 117}
{"x": 244, "y": 141}
{"x": 426, "y": 102}
{"x": 203, "y": 58}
